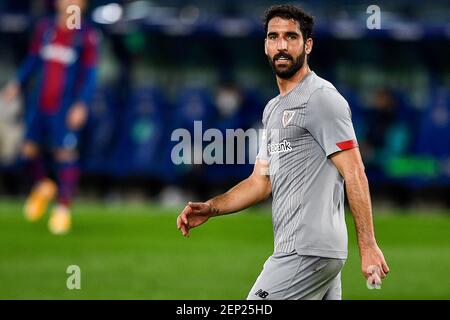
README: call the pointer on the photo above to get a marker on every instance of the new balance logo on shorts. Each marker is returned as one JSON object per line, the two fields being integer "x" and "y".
{"x": 262, "y": 294}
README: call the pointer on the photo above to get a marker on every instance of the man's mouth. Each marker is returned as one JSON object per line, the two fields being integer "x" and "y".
{"x": 282, "y": 58}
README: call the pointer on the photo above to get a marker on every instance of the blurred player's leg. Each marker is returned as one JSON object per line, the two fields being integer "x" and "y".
{"x": 68, "y": 175}
{"x": 60, "y": 220}
{"x": 43, "y": 189}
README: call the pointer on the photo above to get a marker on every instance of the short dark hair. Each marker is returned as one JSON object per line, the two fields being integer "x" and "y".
{"x": 305, "y": 20}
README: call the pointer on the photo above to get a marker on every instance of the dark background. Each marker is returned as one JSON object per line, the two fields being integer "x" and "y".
{"x": 164, "y": 64}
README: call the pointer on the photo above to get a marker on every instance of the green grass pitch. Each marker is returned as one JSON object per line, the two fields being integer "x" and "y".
{"x": 136, "y": 252}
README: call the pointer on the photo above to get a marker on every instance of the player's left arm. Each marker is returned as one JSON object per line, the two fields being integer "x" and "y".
{"x": 89, "y": 60}
{"x": 328, "y": 119}
{"x": 351, "y": 167}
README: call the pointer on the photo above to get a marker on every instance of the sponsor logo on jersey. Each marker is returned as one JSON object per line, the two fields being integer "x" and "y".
{"x": 284, "y": 146}
{"x": 58, "y": 53}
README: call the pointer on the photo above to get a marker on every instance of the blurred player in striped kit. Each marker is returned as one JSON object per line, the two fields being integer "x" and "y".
{"x": 62, "y": 59}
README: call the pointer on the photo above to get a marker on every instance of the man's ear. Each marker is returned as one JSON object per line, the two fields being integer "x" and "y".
{"x": 308, "y": 45}
{"x": 265, "y": 46}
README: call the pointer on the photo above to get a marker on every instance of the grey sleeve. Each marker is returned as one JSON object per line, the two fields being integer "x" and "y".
{"x": 329, "y": 120}
{"x": 262, "y": 153}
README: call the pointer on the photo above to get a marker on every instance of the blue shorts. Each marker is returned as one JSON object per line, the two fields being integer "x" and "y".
{"x": 50, "y": 130}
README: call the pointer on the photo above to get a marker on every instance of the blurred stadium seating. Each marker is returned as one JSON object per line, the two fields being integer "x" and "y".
{"x": 164, "y": 62}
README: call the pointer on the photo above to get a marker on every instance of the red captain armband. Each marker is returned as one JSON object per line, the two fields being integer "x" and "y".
{"x": 348, "y": 144}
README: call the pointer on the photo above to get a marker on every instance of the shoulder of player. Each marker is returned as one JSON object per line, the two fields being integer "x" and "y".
{"x": 88, "y": 26}
{"x": 324, "y": 91}
{"x": 269, "y": 107}
{"x": 319, "y": 85}
{"x": 271, "y": 102}
{"x": 90, "y": 32}
{"x": 44, "y": 23}
{"x": 326, "y": 102}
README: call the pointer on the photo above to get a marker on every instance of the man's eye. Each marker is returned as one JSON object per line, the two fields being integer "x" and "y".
{"x": 292, "y": 37}
{"x": 272, "y": 37}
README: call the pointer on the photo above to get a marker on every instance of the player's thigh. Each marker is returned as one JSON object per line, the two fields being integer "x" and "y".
{"x": 294, "y": 277}
{"x": 62, "y": 137}
{"x": 35, "y": 128}
{"x": 314, "y": 278}
{"x": 335, "y": 290}
{"x": 276, "y": 276}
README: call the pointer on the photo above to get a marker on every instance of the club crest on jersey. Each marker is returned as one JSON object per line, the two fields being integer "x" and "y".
{"x": 287, "y": 117}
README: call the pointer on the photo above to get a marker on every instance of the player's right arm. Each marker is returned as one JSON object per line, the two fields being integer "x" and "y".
{"x": 254, "y": 189}
{"x": 12, "y": 89}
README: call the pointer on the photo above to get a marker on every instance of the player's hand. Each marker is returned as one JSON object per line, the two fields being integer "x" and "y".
{"x": 372, "y": 259}
{"x": 193, "y": 215}
{"x": 77, "y": 116}
{"x": 10, "y": 92}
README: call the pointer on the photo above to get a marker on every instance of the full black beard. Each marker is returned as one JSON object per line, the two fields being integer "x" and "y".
{"x": 290, "y": 72}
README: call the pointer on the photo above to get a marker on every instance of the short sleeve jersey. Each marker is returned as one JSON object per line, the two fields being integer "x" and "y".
{"x": 301, "y": 130}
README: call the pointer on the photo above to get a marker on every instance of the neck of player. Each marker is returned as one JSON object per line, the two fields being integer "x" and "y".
{"x": 286, "y": 85}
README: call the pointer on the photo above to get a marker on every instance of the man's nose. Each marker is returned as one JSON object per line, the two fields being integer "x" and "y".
{"x": 281, "y": 44}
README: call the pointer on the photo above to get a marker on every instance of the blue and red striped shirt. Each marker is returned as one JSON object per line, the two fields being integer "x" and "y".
{"x": 65, "y": 61}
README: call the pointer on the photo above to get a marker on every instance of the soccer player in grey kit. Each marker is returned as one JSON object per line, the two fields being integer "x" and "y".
{"x": 308, "y": 151}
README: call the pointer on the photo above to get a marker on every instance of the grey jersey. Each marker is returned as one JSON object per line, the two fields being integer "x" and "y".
{"x": 302, "y": 129}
